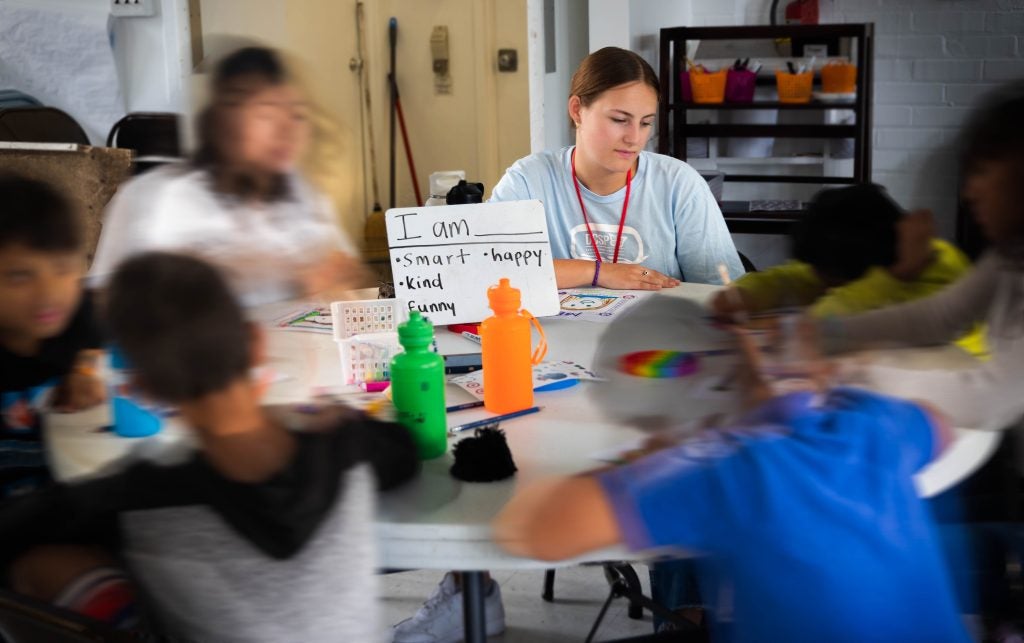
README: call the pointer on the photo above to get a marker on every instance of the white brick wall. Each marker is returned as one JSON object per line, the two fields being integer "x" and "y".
{"x": 933, "y": 60}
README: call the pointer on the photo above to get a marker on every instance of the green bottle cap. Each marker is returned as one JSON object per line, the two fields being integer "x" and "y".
{"x": 418, "y": 332}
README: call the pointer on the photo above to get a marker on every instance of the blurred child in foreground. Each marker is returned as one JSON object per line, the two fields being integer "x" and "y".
{"x": 989, "y": 396}
{"x": 241, "y": 202}
{"x": 48, "y": 336}
{"x": 805, "y": 505}
{"x": 855, "y": 250}
{"x": 264, "y": 534}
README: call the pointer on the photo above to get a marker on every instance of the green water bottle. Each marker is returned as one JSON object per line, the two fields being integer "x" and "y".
{"x": 417, "y": 387}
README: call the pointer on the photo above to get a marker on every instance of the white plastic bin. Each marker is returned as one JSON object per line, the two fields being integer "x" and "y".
{"x": 367, "y": 335}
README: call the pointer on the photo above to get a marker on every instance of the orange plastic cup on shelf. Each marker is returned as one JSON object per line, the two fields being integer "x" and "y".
{"x": 838, "y": 77}
{"x": 708, "y": 87}
{"x": 794, "y": 88}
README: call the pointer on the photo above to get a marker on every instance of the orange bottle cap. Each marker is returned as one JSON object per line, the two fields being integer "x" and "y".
{"x": 503, "y": 298}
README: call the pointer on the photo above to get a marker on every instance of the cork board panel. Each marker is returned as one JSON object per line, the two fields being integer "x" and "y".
{"x": 88, "y": 175}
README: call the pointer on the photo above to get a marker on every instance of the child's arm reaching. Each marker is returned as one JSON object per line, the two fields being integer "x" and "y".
{"x": 810, "y": 371}
{"x": 86, "y": 512}
{"x": 942, "y": 428}
{"x": 934, "y": 320}
{"x": 83, "y": 387}
{"x": 557, "y": 519}
{"x": 791, "y": 284}
{"x": 387, "y": 447}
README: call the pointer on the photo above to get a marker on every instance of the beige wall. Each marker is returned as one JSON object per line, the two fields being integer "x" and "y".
{"x": 481, "y": 127}
{"x": 513, "y": 95}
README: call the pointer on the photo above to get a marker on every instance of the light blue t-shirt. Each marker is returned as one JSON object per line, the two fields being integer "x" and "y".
{"x": 809, "y": 508}
{"x": 673, "y": 224}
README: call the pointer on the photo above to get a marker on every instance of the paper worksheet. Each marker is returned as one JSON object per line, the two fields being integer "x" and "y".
{"x": 314, "y": 319}
{"x": 546, "y": 375}
{"x": 596, "y": 305}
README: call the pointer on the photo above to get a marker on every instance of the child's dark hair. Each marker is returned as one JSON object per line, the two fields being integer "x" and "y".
{"x": 848, "y": 230}
{"x": 259, "y": 63}
{"x": 36, "y": 215}
{"x": 236, "y": 77}
{"x": 995, "y": 129}
{"x": 178, "y": 325}
{"x": 607, "y": 68}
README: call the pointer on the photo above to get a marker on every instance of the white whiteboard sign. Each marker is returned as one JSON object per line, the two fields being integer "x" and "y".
{"x": 445, "y": 258}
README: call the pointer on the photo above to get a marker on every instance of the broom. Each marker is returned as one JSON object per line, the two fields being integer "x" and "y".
{"x": 375, "y": 231}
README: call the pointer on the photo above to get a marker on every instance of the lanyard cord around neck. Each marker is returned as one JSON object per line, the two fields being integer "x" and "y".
{"x": 583, "y": 208}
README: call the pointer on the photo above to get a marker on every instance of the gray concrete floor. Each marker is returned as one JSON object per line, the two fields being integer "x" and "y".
{"x": 579, "y": 593}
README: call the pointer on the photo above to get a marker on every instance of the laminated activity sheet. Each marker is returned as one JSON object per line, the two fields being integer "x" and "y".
{"x": 314, "y": 319}
{"x": 595, "y": 305}
{"x": 546, "y": 376}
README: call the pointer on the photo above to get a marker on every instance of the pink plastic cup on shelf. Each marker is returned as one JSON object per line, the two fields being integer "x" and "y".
{"x": 740, "y": 85}
{"x": 686, "y": 92}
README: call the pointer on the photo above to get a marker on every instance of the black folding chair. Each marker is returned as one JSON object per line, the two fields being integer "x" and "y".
{"x": 40, "y": 125}
{"x": 623, "y": 582}
{"x": 152, "y": 135}
{"x": 748, "y": 265}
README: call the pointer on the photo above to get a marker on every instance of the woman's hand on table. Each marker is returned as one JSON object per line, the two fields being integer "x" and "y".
{"x": 575, "y": 273}
{"x": 631, "y": 276}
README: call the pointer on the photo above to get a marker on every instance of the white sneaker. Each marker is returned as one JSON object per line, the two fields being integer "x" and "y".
{"x": 440, "y": 618}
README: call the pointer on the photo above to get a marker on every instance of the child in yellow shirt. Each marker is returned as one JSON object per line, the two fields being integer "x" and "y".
{"x": 856, "y": 250}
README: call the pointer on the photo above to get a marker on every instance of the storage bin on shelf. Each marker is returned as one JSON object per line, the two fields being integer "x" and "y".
{"x": 703, "y": 87}
{"x": 794, "y": 88}
{"x": 740, "y": 85}
{"x": 838, "y": 77}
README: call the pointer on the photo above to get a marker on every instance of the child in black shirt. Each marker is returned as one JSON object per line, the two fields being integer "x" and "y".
{"x": 256, "y": 494}
{"x": 48, "y": 335}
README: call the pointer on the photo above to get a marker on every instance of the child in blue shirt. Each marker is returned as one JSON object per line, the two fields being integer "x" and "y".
{"x": 806, "y": 506}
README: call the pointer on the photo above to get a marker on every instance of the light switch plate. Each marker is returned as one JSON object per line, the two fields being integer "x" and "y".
{"x": 132, "y": 8}
{"x": 508, "y": 60}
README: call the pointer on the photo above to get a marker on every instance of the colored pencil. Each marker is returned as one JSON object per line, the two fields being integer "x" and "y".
{"x": 492, "y": 420}
{"x": 463, "y": 407}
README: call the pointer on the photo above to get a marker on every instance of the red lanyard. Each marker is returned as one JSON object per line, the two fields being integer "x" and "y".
{"x": 622, "y": 219}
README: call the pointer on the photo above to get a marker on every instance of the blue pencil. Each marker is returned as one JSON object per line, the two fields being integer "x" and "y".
{"x": 492, "y": 420}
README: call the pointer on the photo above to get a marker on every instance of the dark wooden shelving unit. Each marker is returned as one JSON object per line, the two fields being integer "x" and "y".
{"x": 764, "y": 104}
{"x": 673, "y": 129}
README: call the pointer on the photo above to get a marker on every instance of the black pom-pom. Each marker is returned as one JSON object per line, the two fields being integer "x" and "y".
{"x": 485, "y": 457}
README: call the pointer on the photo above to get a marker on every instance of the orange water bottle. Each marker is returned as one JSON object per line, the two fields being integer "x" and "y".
{"x": 505, "y": 346}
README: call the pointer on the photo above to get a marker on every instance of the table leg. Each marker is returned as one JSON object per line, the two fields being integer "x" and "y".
{"x": 474, "y": 620}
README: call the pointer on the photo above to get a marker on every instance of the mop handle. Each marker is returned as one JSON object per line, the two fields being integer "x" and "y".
{"x": 393, "y": 41}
